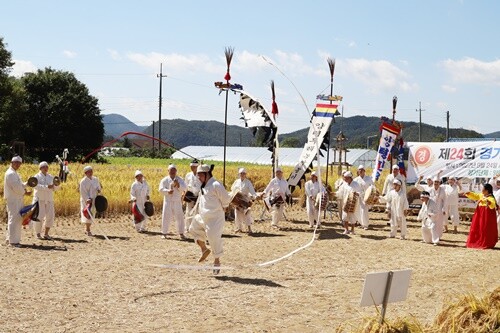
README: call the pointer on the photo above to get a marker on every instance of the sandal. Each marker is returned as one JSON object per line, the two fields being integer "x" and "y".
{"x": 204, "y": 255}
{"x": 216, "y": 271}
{"x": 47, "y": 237}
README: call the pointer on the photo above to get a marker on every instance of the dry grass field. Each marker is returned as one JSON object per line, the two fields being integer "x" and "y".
{"x": 114, "y": 281}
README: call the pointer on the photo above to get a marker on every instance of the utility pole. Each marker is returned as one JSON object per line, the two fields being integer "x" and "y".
{"x": 420, "y": 121}
{"x": 161, "y": 76}
{"x": 447, "y": 126}
{"x": 152, "y": 140}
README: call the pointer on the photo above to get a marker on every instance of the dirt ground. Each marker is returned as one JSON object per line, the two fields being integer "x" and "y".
{"x": 77, "y": 283}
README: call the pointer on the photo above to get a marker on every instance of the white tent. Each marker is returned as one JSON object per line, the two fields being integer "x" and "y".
{"x": 261, "y": 155}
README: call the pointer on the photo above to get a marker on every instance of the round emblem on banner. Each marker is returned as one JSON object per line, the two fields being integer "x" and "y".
{"x": 423, "y": 156}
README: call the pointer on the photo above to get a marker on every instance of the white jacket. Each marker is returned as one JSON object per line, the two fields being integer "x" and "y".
{"x": 212, "y": 201}
{"x": 13, "y": 188}
{"x": 193, "y": 183}
{"x": 397, "y": 203}
{"x": 42, "y": 191}
{"x": 245, "y": 187}
{"x": 167, "y": 184}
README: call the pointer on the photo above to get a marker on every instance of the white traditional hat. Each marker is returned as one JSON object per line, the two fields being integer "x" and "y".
{"x": 43, "y": 164}
{"x": 241, "y": 170}
{"x": 171, "y": 166}
{"x": 348, "y": 174}
{"x": 87, "y": 168}
{"x": 397, "y": 181}
{"x": 436, "y": 179}
{"x": 278, "y": 169}
{"x": 395, "y": 167}
{"x": 361, "y": 166}
{"x": 194, "y": 163}
{"x": 314, "y": 174}
{"x": 137, "y": 173}
{"x": 17, "y": 159}
{"x": 203, "y": 168}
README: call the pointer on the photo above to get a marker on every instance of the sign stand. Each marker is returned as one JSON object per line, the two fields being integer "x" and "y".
{"x": 385, "y": 287}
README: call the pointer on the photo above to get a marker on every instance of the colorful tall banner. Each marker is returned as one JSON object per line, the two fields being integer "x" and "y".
{"x": 388, "y": 136}
{"x": 320, "y": 123}
{"x": 400, "y": 157}
{"x": 475, "y": 159}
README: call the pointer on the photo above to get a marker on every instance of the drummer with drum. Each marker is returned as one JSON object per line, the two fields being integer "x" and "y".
{"x": 44, "y": 194}
{"x": 89, "y": 188}
{"x": 369, "y": 195}
{"x": 276, "y": 193}
{"x": 312, "y": 189}
{"x": 193, "y": 190}
{"x": 242, "y": 214}
{"x": 348, "y": 194}
{"x": 139, "y": 195}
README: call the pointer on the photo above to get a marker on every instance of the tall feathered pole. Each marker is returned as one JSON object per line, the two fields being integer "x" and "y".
{"x": 275, "y": 141}
{"x": 228, "y": 52}
{"x": 331, "y": 66}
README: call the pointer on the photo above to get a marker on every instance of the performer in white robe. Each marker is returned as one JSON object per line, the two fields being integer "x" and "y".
{"x": 89, "y": 188}
{"x": 172, "y": 187}
{"x": 193, "y": 185}
{"x": 389, "y": 181}
{"x": 312, "y": 188}
{"x": 431, "y": 231}
{"x": 364, "y": 182}
{"x": 44, "y": 194}
{"x": 424, "y": 187}
{"x": 13, "y": 191}
{"x": 277, "y": 187}
{"x": 209, "y": 222}
{"x": 343, "y": 193}
{"x": 245, "y": 187}
{"x": 438, "y": 195}
{"x": 397, "y": 207}
{"x": 139, "y": 194}
{"x": 452, "y": 189}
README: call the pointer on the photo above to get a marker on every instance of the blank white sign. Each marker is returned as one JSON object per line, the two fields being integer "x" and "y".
{"x": 375, "y": 283}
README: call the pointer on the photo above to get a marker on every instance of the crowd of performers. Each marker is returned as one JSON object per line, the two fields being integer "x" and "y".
{"x": 206, "y": 201}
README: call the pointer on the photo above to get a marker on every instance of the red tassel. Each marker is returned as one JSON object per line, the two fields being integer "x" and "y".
{"x": 227, "y": 77}
{"x": 274, "y": 109}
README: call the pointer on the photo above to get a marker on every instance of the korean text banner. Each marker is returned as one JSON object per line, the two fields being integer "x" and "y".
{"x": 479, "y": 159}
{"x": 388, "y": 137}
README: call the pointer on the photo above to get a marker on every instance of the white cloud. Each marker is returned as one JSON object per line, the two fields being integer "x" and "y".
{"x": 174, "y": 62}
{"x": 249, "y": 61}
{"x": 448, "y": 89}
{"x": 69, "y": 54}
{"x": 378, "y": 75}
{"x": 470, "y": 70}
{"x": 22, "y": 66}
{"x": 114, "y": 54}
{"x": 352, "y": 44}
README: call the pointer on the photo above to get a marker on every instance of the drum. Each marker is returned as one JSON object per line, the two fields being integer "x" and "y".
{"x": 323, "y": 197}
{"x": 351, "y": 202}
{"x": 276, "y": 200}
{"x": 371, "y": 195}
{"x": 138, "y": 217}
{"x": 149, "y": 209}
{"x": 240, "y": 200}
{"x": 101, "y": 203}
{"x": 190, "y": 197}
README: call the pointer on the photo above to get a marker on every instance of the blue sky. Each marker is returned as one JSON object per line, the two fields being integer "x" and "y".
{"x": 444, "y": 54}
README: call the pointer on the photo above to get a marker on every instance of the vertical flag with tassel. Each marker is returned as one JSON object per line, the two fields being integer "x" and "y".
{"x": 29, "y": 213}
{"x": 401, "y": 162}
{"x": 274, "y": 139}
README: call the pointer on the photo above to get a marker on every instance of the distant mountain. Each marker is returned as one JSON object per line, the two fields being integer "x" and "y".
{"x": 115, "y": 124}
{"x": 493, "y": 135}
{"x": 357, "y": 129}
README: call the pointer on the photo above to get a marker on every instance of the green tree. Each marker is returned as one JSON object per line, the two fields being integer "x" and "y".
{"x": 61, "y": 114}
{"x": 291, "y": 142}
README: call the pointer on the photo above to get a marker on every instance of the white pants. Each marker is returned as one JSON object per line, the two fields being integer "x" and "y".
{"x": 242, "y": 217}
{"x": 398, "y": 222}
{"x": 312, "y": 211}
{"x": 188, "y": 215}
{"x": 211, "y": 230}
{"x": 277, "y": 214}
{"x": 350, "y": 218}
{"x": 46, "y": 211}
{"x": 453, "y": 214}
{"x": 172, "y": 210}
{"x": 364, "y": 209}
{"x": 15, "y": 220}
{"x": 439, "y": 221}
{"x": 430, "y": 234}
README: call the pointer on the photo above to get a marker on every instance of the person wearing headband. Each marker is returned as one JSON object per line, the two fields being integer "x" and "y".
{"x": 193, "y": 186}
{"x": 13, "y": 191}
{"x": 397, "y": 208}
{"x": 139, "y": 194}
{"x": 312, "y": 188}
{"x": 172, "y": 187}
{"x": 44, "y": 194}
{"x": 365, "y": 182}
{"x": 348, "y": 190}
{"x": 245, "y": 187}
{"x": 389, "y": 180}
{"x": 277, "y": 187}
{"x": 89, "y": 188}
{"x": 438, "y": 195}
{"x": 431, "y": 231}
